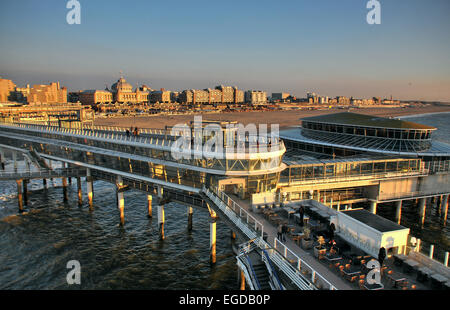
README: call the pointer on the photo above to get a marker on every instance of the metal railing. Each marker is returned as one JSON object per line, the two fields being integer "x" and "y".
{"x": 117, "y": 134}
{"x": 368, "y": 176}
{"x": 43, "y": 173}
{"x": 226, "y": 204}
{"x": 301, "y": 267}
{"x": 236, "y": 217}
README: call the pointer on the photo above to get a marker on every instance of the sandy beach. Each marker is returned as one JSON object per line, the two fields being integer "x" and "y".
{"x": 284, "y": 118}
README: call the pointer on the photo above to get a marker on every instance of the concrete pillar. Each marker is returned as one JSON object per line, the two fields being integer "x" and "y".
{"x": 339, "y": 206}
{"x": 398, "y": 213}
{"x": 120, "y": 200}
{"x": 19, "y": 195}
{"x": 190, "y": 214}
{"x": 149, "y": 205}
{"x": 15, "y": 160}
{"x": 431, "y": 251}
{"x": 373, "y": 207}
{"x": 233, "y": 235}
{"x": 64, "y": 184}
{"x": 242, "y": 287}
{"x": 444, "y": 207}
{"x": 422, "y": 209}
{"x": 212, "y": 237}
{"x": 90, "y": 188}
{"x": 80, "y": 192}
{"x": 161, "y": 220}
{"x": 160, "y": 191}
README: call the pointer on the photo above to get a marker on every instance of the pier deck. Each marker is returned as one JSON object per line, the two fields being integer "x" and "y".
{"x": 271, "y": 231}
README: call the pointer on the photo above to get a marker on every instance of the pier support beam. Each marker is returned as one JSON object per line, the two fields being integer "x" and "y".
{"x": 444, "y": 207}
{"x": 15, "y": 161}
{"x": 149, "y": 205}
{"x": 373, "y": 207}
{"x": 422, "y": 209}
{"x": 120, "y": 200}
{"x": 80, "y": 192}
{"x": 160, "y": 191}
{"x": 161, "y": 220}
{"x": 212, "y": 237}
{"x": 242, "y": 278}
{"x": 190, "y": 214}
{"x": 19, "y": 195}
{"x": 90, "y": 188}
{"x": 398, "y": 211}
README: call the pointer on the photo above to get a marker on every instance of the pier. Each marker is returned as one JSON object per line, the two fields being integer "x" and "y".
{"x": 242, "y": 192}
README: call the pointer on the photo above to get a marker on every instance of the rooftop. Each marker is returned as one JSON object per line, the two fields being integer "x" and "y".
{"x": 348, "y": 118}
{"x": 375, "y": 221}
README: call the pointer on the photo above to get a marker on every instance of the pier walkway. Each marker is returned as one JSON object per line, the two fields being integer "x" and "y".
{"x": 305, "y": 257}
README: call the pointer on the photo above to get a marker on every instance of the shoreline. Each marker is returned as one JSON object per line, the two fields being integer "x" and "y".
{"x": 285, "y": 119}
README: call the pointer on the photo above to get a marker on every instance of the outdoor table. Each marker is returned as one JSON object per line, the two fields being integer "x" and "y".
{"x": 305, "y": 218}
{"x": 374, "y": 286}
{"x": 352, "y": 272}
{"x": 410, "y": 265}
{"x": 438, "y": 280}
{"x": 423, "y": 274}
{"x": 396, "y": 278}
{"x": 399, "y": 259}
{"x": 297, "y": 237}
{"x": 289, "y": 211}
{"x": 333, "y": 257}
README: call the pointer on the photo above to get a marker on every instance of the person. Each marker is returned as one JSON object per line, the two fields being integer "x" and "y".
{"x": 301, "y": 212}
{"x": 381, "y": 255}
{"x": 284, "y": 230}
{"x": 280, "y": 232}
{"x": 128, "y": 133}
{"x": 331, "y": 229}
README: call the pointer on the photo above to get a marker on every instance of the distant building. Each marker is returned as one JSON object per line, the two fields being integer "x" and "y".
{"x": 47, "y": 94}
{"x": 255, "y": 97}
{"x": 123, "y": 92}
{"x": 280, "y": 96}
{"x": 6, "y": 89}
{"x": 94, "y": 96}
{"x": 161, "y": 96}
{"x": 220, "y": 94}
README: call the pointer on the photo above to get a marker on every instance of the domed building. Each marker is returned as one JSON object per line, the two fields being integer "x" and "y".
{"x": 123, "y": 93}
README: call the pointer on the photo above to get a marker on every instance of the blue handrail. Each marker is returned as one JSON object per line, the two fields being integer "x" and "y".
{"x": 253, "y": 271}
{"x": 273, "y": 269}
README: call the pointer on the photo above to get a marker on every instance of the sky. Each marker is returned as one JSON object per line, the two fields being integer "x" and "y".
{"x": 322, "y": 46}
